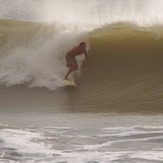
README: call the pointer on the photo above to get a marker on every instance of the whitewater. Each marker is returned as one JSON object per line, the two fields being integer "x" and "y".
{"x": 114, "y": 115}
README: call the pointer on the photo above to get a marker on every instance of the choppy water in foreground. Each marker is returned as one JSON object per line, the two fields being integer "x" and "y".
{"x": 85, "y": 138}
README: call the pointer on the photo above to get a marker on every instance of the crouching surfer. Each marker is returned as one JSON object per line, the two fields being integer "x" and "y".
{"x": 71, "y": 62}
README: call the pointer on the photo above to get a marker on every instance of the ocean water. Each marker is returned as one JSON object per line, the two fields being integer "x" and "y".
{"x": 115, "y": 113}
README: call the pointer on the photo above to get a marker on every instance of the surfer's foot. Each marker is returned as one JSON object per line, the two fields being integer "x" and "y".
{"x": 66, "y": 78}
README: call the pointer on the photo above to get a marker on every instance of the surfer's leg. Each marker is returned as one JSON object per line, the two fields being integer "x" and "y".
{"x": 73, "y": 68}
{"x": 66, "y": 77}
{"x": 72, "y": 64}
{"x": 70, "y": 70}
{"x": 69, "y": 61}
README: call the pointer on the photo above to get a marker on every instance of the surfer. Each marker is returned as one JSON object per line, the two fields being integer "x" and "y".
{"x": 71, "y": 62}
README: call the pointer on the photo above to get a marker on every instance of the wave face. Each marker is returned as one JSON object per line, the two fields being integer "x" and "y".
{"x": 125, "y": 48}
{"x": 126, "y": 68}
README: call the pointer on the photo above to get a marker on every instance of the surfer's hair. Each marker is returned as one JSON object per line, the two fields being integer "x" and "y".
{"x": 82, "y": 43}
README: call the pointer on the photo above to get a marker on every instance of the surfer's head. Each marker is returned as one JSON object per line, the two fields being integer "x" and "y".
{"x": 83, "y": 44}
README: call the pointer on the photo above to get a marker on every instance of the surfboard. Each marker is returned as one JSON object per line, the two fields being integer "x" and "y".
{"x": 69, "y": 83}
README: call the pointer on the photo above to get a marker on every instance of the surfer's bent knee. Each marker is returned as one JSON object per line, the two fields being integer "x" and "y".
{"x": 75, "y": 68}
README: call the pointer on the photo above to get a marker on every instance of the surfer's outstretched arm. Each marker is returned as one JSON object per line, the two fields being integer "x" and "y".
{"x": 86, "y": 58}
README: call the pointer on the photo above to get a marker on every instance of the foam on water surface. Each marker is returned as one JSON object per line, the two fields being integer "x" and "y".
{"x": 66, "y": 144}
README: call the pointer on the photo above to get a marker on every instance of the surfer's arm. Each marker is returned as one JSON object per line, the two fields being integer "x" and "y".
{"x": 86, "y": 58}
